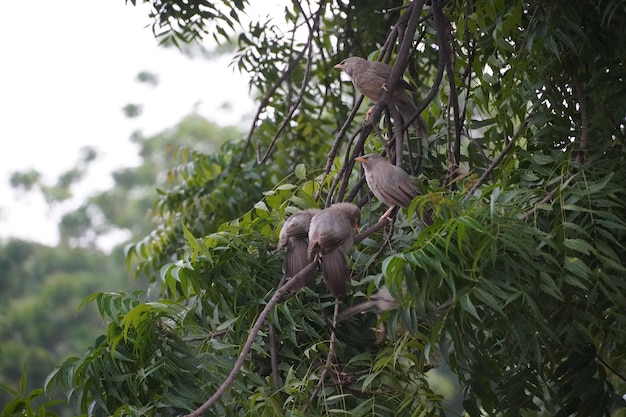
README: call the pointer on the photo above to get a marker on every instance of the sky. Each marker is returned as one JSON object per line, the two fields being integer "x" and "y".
{"x": 68, "y": 68}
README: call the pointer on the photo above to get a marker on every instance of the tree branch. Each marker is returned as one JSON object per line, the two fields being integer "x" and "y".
{"x": 496, "y": 161}
{"x": 280, "y": 292}
{"x": 584, "y": 118}
{"x": 567, "y": 178}
{"x": 331, "y": 352}
{"x": 303, "y": 86}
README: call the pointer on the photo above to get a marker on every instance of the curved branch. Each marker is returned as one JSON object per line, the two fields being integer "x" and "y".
{"x": 337, "y": 143}
{"x": 280, "y": 292}
{"x": 266, "y": 98}
{"x": 294, "y": 106}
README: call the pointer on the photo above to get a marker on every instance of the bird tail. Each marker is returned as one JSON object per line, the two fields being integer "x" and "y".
{"x": 408, "y": 110}
{"x": 357, "y": 309}
{"x": 425, "y": 216}
{"x": 296, "y": 259}
{"x": 336, "y": 272}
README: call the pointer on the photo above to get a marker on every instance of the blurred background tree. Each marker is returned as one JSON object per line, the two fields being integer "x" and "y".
{"x": 42, "y": 321}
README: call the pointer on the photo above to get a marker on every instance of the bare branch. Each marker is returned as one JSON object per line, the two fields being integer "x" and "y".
{"x": 278, "y": 295}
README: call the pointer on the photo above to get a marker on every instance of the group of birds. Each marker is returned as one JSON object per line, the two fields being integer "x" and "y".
{"x": 328, "y": 235}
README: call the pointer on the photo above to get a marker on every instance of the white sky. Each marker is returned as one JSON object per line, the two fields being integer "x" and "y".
{"x": 67, "y": 67}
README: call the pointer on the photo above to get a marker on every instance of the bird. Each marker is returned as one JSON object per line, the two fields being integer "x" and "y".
{"x": 370, "y": 79}
{"x": 381, "y": 302}
{"x": 294, "y": 236}
{"x": 331, "y": 236}
{"x": 390, "y": 184}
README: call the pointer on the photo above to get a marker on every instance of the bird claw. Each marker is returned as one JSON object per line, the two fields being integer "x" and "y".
{"x": 384, "y": 87}
{"x": 385, "y": 217}
{"x": 386, "y": 214}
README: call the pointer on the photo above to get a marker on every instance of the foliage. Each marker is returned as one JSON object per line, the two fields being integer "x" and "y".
{"x": 23, "y": 403}
{"x": 40, "y": 323}
{"x": 37, "y": 280}
{"x": 61, "y": 190}
{"x": 517, "y": 284}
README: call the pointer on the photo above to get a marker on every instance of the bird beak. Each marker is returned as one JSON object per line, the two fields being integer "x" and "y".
{"x": 338, "y": 66}
{"x": 357, "y": 228}
{"x": 361, "y": 159}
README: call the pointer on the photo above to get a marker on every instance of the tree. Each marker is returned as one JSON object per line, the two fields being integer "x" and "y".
{"x": 41, "y": 322}
{"x": 126, "y": 206}
{"x": 517, "y": 284}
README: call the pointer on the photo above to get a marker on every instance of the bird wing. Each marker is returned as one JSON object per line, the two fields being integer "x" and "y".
{"x": 330, "y": 241}
{"x": 290, "y": 229}
{"x": 399, "y": 193}
{"x": 296, "y": 258}
{"x": 383, "y": 71}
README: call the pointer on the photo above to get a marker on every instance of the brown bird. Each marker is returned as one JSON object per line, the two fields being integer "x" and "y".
{"x": 331, "y": 236}
{"x": 370, "y": 78}
{"x": 294, "y": 236}
{"x": 380, "y": 302}
{"x": 390, "y": 184}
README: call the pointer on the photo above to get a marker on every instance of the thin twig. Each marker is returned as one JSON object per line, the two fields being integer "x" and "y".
{"x": 331, "y": 352}
{"x": 398, "y": 135}
{"x": 610, "y": 368}
{"x": 496, "y": 161}
{"x": 584, "y": 118}
{"x": 441, "y": 65}
{"x": 567, "y": 178}
{"x": 274, "y": 356}
{"x": 443, "y": 36}
{"x": 337, "y": 143}
{"x": 266, "y": 99}
{"x": 303, "y": 86}
{"x": 375, "y": 228}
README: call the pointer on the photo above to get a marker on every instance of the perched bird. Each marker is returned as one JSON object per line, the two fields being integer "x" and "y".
{"x": 380, "y": 302}
{"x": 390, "y": 184}
{"x": 370, "y": 78}
{"x": 331, "y": 236}
{"x": 294, "y": 236}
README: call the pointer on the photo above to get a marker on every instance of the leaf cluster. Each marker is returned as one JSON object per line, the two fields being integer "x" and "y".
{"x": 516, "y": 286}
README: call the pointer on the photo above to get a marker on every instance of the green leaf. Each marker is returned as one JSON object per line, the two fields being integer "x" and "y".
{"x": 579, "y": 245}
{"x": 261, "y": 206}
{"x": 300, "y": 172}
{"x": 467, "y": 305}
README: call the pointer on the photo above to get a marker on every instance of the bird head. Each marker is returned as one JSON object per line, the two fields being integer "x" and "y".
{"x": 349, "y": 65}
{"x": 370, "y": 160}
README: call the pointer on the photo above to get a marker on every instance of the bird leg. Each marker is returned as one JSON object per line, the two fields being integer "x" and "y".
{"x": 386, "y": 214}
{"x": 380, "y": 331}
{"x": 369, "y": 112}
